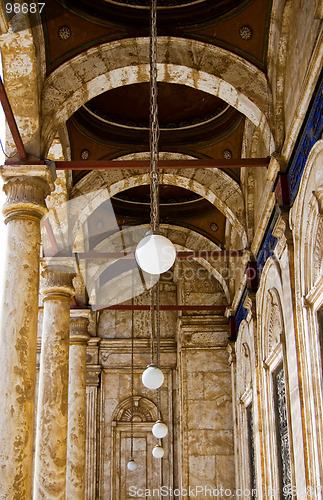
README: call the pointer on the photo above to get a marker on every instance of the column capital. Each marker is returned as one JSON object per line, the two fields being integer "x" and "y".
{"x": 93, "y": 375}
{"x": 58, "y": 281}
{"x": 26, "y": 188}
{"x": 78, "y": 331}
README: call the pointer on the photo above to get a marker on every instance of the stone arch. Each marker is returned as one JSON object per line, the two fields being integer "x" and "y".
{"x": 139, "y": 409}
{"x": 307, "y": 221}
{"x": 196, "y": 64}
{"x": 215, "y": 186}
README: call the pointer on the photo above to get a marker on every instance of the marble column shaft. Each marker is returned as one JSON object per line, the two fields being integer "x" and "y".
{"x": 52, "y": 414}
{"x": 76, "y": 434}
{"x": 26, "y": 189}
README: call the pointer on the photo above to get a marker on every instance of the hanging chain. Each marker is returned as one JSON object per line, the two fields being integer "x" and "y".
{"x": 154, "y": 180}
{"x": 158, "y": 321}
{"x": 158, "y": 340}
{"x": 152, "y": 324}
{"x": 154, "y": 125}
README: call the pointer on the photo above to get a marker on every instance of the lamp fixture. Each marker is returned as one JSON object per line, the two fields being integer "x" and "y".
{"x": 153, "y": 377}
{"x": 158, "y": 451}
{"x": 155, "y": 253}
{"x": 159, "y": 429}
{"x": 132, "y": 466}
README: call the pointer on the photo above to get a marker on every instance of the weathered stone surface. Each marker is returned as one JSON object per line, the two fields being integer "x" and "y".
{"x": 23, "y": 210}
{"x": 76, "y": 431}
{"x": 52, "y": 414}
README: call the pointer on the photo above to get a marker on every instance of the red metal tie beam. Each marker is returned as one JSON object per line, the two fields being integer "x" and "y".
{"x": 12, "y": 123}
{"x": 162, "y": 164}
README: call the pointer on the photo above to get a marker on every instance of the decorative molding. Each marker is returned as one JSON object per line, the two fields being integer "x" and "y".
{"x": 314, "y": 298}
{"x": 274, "y": 359}
{"x": 319, "y": 196}
{"x": 92, "y": 352}
{"x": 246, "y": 397}
{"x": 93, "y": 375}
{"x": 231, "y": 352}
{"x": 138, "y": 409}
{"x": 279, "y": 233}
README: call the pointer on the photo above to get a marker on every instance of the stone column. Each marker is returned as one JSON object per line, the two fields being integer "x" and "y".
{"x": 76, "y": 437}
{"x": 52, "y": 414}
{"x": 26, "y": 189}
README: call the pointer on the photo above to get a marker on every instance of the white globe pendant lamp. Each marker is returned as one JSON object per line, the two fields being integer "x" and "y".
{"x": 159, "y": 429}
{"x": 158, "y": 451}
{"x": 131, "y": 465}
{"x": 155, "y": 254}
{"x": 153, "y": 377}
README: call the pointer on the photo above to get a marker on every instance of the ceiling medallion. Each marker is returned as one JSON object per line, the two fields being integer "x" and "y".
{"x": 162, "y": 4}
{"x": 227, "y": 154}
{"x": 246, "y": 32}
{"x": 64, "y": 32}
{"x": 85, "y": 154}
{"x": 214, "y": 227}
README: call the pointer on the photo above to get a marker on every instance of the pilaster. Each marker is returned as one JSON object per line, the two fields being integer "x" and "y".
{"x": 91, "y": 466}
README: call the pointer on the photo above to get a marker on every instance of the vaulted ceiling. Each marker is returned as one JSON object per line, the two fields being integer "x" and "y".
{"x": 115, "y": 123}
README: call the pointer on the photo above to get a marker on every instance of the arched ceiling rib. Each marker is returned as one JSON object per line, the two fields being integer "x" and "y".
{"x": 195, "y": 64}
{"x": 213, "y": 185}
